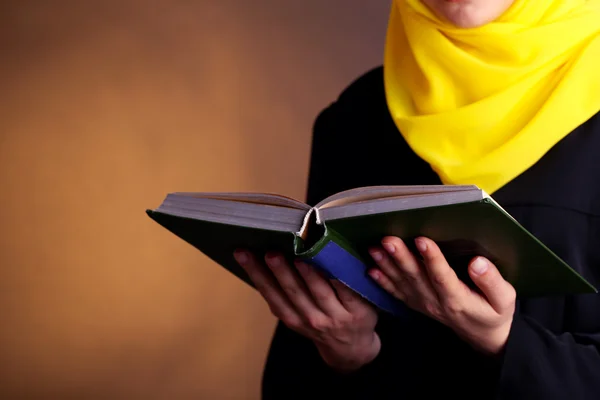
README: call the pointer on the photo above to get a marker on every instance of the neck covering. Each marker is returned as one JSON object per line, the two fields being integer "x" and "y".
{"x": 482, "y": 105}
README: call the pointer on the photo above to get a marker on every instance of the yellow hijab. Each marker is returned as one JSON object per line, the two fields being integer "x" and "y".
{"x": 482, "y": 105}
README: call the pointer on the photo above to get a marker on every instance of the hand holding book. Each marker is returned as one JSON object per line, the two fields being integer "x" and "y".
{"x": 430, "y": 286}
{"x": 337, "y": 320}
{"x": 341, "y": 323}
{"x": 334, "y": 237}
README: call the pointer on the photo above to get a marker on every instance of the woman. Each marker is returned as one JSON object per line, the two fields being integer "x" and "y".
{"x": 503, "y": 94}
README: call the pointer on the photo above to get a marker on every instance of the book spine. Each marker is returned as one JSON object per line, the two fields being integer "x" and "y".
{"x": 312, "y": 213}
{"x": 338, "y": 263}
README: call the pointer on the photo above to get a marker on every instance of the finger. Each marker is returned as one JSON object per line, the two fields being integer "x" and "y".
{"x": 263, "y": 280}
{"x": 293, "y": 286}
{"x": 352, "y": 301}
{"x": 403, "y": 257}
{"x": 386, "y": 283}
{"x": 416, "y": 279}
{"x": 322, "y": 292}
{"x": 500, "y": 294}
{"x": 444, "y": 281}
{"x": 387, "y": 265}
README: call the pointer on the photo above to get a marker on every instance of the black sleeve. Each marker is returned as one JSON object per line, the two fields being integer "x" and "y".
{"x": 539, "y": 364}
{"x": 295, "y": 370}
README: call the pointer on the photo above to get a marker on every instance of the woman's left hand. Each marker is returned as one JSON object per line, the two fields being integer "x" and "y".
{"x": 431, "y": 287}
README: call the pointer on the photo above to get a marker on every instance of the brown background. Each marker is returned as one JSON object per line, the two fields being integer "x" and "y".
{"x": 105, "y": 106}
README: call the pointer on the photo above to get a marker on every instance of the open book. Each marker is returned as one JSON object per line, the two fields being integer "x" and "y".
{"x": 334, "y": 236}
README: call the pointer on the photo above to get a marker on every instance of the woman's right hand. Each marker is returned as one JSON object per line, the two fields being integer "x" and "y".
{"x": 337, "y": 320}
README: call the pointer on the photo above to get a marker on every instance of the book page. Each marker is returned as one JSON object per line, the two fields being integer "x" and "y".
{"x": 230, "y": 211}
{"x": 381, "y": 192}
{"x": 249, "y": 197}
{"x": 398, "y": 203}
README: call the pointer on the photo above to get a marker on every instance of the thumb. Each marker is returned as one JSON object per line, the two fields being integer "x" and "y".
{"x": 499, "y": 293}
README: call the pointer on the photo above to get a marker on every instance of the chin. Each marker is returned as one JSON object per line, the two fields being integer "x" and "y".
{"x": 467, "y": 22}
{"x": 468, "y": 19}
{"x": 468, "y": 13}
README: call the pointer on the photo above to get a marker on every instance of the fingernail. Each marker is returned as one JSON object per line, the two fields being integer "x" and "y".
{"x": 375, "y": 274}
{"x": 421, "y": 245}
{"x": 273, "y": 260}
{"x": 389, "y": 247}
{"x": 479, "y": 266}
{"x": 241, "y": 257}
{"x": 377, "y": 256}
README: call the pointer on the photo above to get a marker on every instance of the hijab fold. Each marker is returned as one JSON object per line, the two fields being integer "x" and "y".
{"x": 482, "y": 105}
